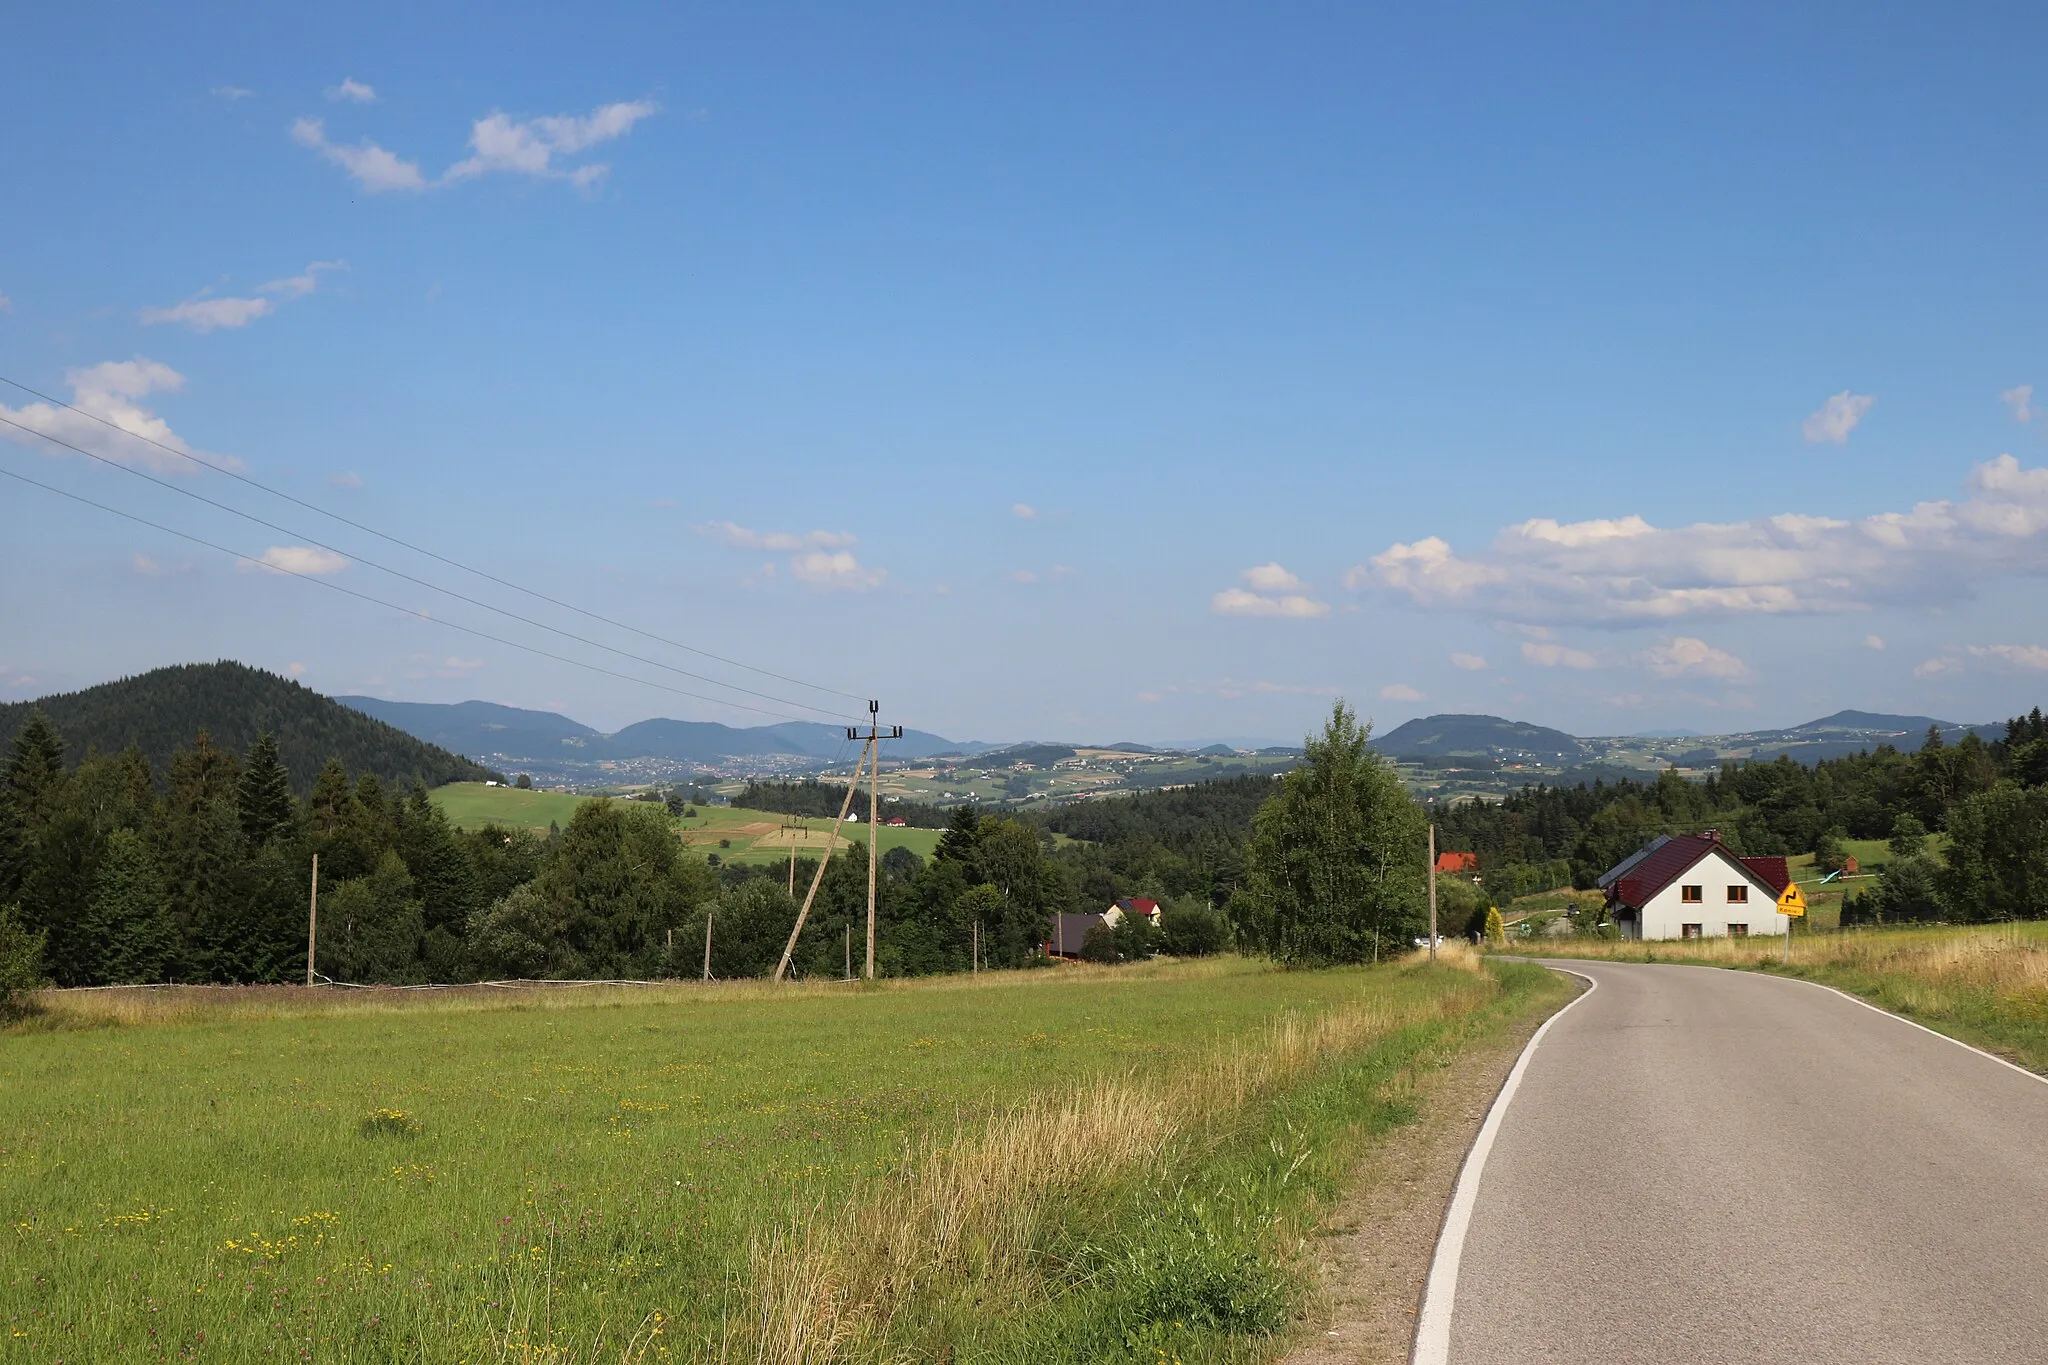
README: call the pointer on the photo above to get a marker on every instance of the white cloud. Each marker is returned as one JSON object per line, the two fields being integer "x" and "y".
{"x": 1399, "y": 692}
{"x": 1023, "y": 511}
{"x": 1471, "y": 663}
{"x": 2021, "y": 401}
{"x": 1683, "y": 655}
{"x": 295, "y": 670}
{"x": 375, "y": 169}
{"x": 1021, "y": 576}
{"x": 2032, "y": 657}
{"x": 1631, "y": 572}
{"x": 1238, "y": 602}
{"x": 348, "y": 480}
{"x": 1930, "y": 668}
{"x": 732, "y": 533}
{"x": 6, "y": 304}
{"x": 1272, "y": 578}
{"x": 294, "y": 559}
{"x": 1557, "y": 656}
{"x": 207, "y": 315}
{"x": 530, "y": 146}
{"x": 1873, "y": 642}
{"x": 1837, "y": 418}
{"x": 111, "y": 391}
{"x": 835, "y": 569}
{"x": 305, "y": 282}
{"x": 232, "y": 93}
{"x": 351, "y": 90}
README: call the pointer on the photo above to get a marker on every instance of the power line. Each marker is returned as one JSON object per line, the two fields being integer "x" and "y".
{"x": 419, "y": 549}
{"x": 400, "y": 573}
{"x": 393, "y": 606}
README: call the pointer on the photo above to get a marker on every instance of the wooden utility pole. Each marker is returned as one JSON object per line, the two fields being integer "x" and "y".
{"x": 789, "y": 829}
{"x": 874, "y": 738}
{"x": 708, "y": 912}
{"x": 818, "y": 879}
{"x": 1432, "y": 891}
{"x": 977, "y": 945}
{"x": 313, "y": 919}
{"x": 849, "y": 950}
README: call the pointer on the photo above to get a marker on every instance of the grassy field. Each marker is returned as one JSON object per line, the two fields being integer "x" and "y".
{"x": 1987, "y": 984}
{"x": 733, "y": 833}
{"x": 1075, "y": 1164}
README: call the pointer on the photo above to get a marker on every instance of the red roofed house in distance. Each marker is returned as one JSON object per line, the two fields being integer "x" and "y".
{"x": 1693, "y": 886}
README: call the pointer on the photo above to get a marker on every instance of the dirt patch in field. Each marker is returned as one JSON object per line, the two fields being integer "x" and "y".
{"x": 1375, "y": 1248}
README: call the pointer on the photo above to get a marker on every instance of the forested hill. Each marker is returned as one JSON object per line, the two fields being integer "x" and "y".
{"x": 162, "y": 710}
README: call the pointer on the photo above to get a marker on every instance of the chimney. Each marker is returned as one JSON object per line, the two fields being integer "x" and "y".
{"x": 1712, "y": 836}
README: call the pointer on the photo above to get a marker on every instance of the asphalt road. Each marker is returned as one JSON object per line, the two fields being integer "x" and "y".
{"x": 1713, "y": 1166}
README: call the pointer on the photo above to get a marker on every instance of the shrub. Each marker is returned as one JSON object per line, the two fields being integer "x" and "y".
{"x": 1100, "y": 945}
{"x": 390, "y": 1123}
{"x": 21, "y": 963}
{"x": 1191, "y": 931}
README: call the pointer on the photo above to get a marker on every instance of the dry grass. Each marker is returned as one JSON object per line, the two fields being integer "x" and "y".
{"x": 969, "y": 1216}
{"x": 142, "y": 1006}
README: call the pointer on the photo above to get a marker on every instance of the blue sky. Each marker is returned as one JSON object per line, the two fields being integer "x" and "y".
{"x": 1148, "y": 372}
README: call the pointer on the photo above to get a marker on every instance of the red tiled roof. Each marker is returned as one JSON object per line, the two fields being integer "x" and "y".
{"x": 1139, "y": 905}
{"x": 1772, "y": 870}
{"x": 1665, "y": 865}
{"x": 1457, "y": 862}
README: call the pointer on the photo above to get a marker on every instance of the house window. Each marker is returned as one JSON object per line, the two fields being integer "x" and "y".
{"x": 1738, "y": 895}
{"x": 1738, "y": 931}
{"x": 1688, "y": 931}
{"x": 1692, "y": 895}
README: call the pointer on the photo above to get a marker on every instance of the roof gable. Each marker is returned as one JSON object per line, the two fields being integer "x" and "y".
{"x": 1644, "y": 874}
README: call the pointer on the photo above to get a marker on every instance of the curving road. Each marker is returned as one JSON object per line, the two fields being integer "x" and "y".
{"x": 1704, "y": 1165}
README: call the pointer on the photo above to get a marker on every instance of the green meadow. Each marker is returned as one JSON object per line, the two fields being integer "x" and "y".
{"x": 687, "y": 1172}
{"x": 734, "y": 833}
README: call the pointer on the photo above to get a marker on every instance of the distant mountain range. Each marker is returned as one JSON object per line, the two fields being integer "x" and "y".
{"x": 486, "y": 728}
{"x": 1496, "y": 740}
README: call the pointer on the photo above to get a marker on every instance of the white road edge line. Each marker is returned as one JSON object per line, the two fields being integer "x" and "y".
{"x": 1439, "y": 1297}
{"x": 1936, "y": 1033}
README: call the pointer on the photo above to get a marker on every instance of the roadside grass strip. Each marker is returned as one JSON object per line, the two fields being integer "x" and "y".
{"x": 1072, "y": 1164}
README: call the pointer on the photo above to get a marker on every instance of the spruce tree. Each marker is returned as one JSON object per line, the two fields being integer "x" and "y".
{"x": 30, "y": 784}
{"x": 264, "y": 796}
{"x": 128, "y": 921}
{"x": 328, "y": 805}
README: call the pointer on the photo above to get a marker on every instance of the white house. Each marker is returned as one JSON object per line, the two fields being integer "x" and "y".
{"x": 1693, "y": 886}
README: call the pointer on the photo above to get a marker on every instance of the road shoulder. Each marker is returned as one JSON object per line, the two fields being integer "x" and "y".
{"x": 1374, "y": 1250}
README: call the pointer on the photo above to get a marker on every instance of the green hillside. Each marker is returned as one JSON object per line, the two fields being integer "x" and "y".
{"x": 163, "y": 709}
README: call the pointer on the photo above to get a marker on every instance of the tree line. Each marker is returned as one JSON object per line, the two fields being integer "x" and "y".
{"x": 1988, "y": 801}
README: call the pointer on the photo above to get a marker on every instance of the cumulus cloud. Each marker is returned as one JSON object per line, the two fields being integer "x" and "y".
{"x": 1837, "y": 418}
{"x": 1627, "y": 571}
{"x": 351, "y": 91}
{"x": 2031, "y": 657}
{"x": 375, "y": 169}
{"x": 1873, "y": 642}
{"x": 1471, "y": 663}
{"x": 1557, "y": 656}
{"x": 1021, "y": 576}
{"x": 1023, "y": 511}
{"x": 530, "y": 146}
{"x": 1399, "y": 692}
{"x": 2021, "y": 401}
{"x": 836, "y": 570}
{"x": 1238, "y": 602}
{"x": 112, "y": 392}
{"x": 1272, "y": 578}
{"x": 294, "y": 559}
{"x": 232, "y": 93}
{"x": 1932, "y": 668}
{"x": 1683, "y": 656}
{"x": 305, "y": 282}
{"x": 351, "y": 479}
{"x": 732, "y": 533}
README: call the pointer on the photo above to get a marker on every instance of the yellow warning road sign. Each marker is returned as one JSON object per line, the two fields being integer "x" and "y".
{"x": 1791, "y": 902}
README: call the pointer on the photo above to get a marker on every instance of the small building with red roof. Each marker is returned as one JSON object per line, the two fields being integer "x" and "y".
{"x": 1464, "y": 863}
{"x": 1694, "y": 886}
